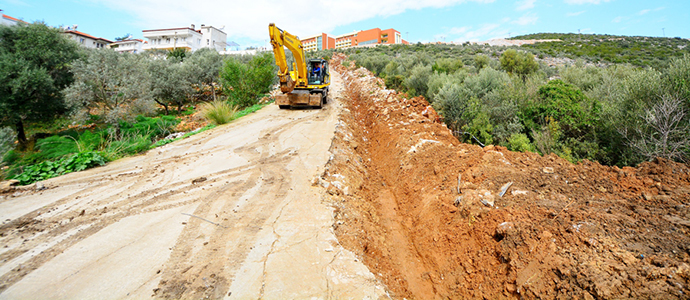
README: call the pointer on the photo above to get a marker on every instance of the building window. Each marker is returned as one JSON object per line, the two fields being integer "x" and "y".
{"x": 369, "y": 42}
{"x": 207, "y": 42}
{"x": 167, "y": 41}
{"x": 81, "y": 41}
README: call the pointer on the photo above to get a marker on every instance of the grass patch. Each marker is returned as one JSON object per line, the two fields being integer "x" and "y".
{"x": 219, "y": 112}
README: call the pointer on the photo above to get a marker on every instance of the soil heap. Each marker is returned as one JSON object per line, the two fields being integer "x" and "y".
{"x": 435, "y": 218}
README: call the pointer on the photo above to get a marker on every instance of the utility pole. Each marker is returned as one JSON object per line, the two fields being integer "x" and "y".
{"x": 663, "y": 31}
{"x": 407, "y": 36}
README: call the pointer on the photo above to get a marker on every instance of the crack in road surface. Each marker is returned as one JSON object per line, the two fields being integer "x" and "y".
{"x": 228, "y": 213}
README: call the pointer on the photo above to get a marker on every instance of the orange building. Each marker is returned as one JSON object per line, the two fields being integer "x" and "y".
{"x": 373, "y": 36}
{"x": 346, "y": 40}
{"x": 318, "y": 42}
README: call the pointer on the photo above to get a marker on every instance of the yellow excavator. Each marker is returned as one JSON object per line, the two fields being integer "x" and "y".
{"x": 308, "y": 82}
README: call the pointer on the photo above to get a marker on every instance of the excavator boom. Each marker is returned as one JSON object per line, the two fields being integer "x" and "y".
{"x": 280, "y": 38}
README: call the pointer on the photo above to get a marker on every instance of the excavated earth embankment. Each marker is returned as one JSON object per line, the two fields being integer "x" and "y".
{"x": 436, "y": 218}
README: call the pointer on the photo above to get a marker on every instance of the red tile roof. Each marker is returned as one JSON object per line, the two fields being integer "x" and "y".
{"x": 13, "y": 19}
{"x": 87, "y": 35}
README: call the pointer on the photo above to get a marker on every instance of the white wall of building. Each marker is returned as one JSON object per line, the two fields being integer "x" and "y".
{"x": 213, "y": 38}
{"x": 130, "y": 46}
{"x": 172, "y": 38}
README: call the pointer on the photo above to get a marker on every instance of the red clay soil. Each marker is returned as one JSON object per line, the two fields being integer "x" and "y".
{"x": 424, "y": 211}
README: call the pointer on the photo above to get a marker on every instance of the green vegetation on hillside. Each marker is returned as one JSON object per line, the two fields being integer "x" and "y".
{"x": 620, "y": 114}
{"x": 636, "y": 50}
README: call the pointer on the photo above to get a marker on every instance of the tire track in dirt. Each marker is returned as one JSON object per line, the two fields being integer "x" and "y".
{"x": 205, "y": 267}
{"x": 69, "y": 216}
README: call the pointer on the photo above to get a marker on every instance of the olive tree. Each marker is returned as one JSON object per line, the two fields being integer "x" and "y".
{"x": 34, "y": 67}
{"x": 170, "y": 84}
{"x": 114, "y": 83}
{"x": 202, "y": 68}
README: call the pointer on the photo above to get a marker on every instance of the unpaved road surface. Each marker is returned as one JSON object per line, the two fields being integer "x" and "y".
{"x": 229, "y": 213}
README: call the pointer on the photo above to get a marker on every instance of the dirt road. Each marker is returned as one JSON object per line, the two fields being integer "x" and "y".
{"x": 229, "y": 213}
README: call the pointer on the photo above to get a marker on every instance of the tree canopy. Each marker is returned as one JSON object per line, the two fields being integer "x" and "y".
{"x": 34, "y": 68}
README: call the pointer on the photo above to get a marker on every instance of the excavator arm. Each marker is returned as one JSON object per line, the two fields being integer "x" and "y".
{"x": 280, "y": 38}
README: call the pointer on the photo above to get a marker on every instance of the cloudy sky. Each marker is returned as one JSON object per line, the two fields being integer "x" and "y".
{"x": 246, "y": 21}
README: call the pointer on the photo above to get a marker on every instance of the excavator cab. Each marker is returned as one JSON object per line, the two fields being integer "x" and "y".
{"x": 318, "y": 71}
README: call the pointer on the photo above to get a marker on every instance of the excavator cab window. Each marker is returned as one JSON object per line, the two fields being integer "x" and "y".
{"x": 316, "y": 70}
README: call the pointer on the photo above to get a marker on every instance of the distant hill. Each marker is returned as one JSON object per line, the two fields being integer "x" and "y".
{"x": 636, "y": 50}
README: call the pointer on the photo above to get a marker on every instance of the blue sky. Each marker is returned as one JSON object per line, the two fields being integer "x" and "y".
{"x": 246, "y": 22}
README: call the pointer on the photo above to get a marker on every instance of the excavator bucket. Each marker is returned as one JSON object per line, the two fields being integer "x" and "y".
{"x": 298, "y": 99}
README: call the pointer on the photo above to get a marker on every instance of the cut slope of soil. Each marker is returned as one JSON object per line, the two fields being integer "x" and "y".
{"x": 436, "y": 218}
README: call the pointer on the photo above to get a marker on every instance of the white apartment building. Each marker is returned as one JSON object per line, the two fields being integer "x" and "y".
{"x": 130, "y": 46}
{"x": 86, "y": 40}
{"x": 185, "y": 37}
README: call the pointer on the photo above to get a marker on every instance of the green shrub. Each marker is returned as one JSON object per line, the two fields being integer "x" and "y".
{"x": 575, "y": 113}
{"x": 520, "y": 63}
{"x": 439, "y": 80}
{"x": 481, "y": 61}
{"x": 417, "y": 82}
{"x": 447, "y": 65}
{"x": 244, "y": 83}
{"x": 519, "y": 142}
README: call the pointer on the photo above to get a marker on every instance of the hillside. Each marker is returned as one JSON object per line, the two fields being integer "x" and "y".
{"x": 636, "y": 50}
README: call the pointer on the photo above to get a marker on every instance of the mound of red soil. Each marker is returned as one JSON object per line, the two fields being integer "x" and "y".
{"x": 436, "y": 218}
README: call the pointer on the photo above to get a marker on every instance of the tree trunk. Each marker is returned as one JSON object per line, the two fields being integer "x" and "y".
{"x": 165, "y": 106}
{"x": 21, "y": 135}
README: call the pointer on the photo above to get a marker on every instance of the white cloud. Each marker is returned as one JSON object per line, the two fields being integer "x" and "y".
{"x": 526, "y": 19}
{"x": 574, "y": 14}
{"x": 578, "y": 2}
{"x": 617, "y": 19}
{"x": 525, "y": 5}
{"x": 644, "y": 11}
{"x": 250, "y": 19}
